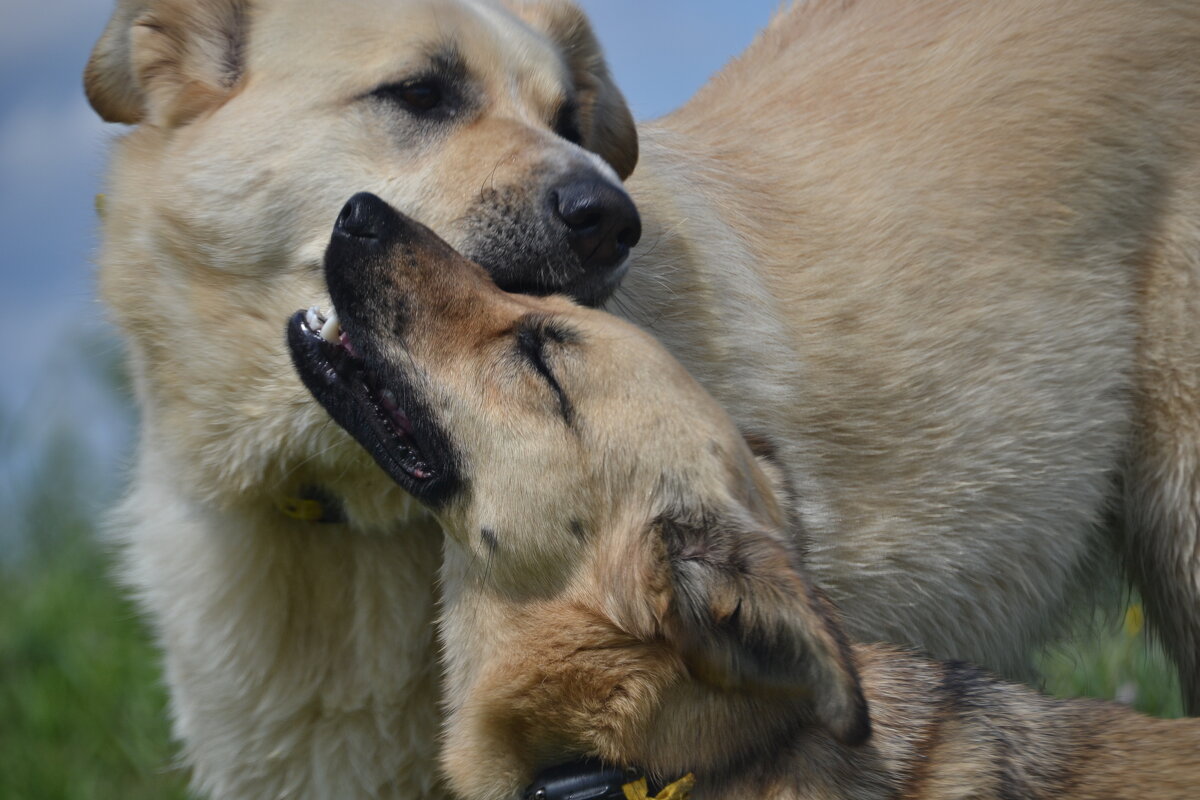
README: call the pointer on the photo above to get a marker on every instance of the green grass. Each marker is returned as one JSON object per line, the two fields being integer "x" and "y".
{"x": 82, "y": 710}
{"x": 1113, "y": 659}
{"x": 82, "y": 707}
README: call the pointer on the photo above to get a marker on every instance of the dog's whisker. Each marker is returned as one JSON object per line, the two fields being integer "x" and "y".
{"x": 490, "y": 180}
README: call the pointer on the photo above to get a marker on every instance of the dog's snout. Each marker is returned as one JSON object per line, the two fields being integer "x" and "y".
{"x": 364, "y": 216}
{"x": 602, "y": 223}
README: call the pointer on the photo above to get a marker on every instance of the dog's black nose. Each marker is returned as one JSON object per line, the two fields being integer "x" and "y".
{"x": 602, "y": 223}
{"x": 365, "y": 216}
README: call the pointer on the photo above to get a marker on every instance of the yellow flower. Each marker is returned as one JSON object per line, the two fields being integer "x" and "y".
{"x": 679, "y": 790}
{"x": 1134, "y": 620}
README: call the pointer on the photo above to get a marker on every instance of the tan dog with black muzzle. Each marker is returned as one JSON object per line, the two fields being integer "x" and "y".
{"x": 623, "y": 578}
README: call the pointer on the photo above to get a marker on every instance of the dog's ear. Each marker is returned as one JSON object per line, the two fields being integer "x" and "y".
{"x": 606, "y": 125}
{"x": 162, "y": 62}
{"x": 745, "y": 618}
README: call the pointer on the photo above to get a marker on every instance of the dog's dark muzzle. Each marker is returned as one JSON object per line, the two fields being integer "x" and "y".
{"x": 574, "y": 240}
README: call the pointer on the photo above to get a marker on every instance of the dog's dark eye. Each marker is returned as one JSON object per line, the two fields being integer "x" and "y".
{"x": 566, "y": 123}
{"x": 419, "y": 96}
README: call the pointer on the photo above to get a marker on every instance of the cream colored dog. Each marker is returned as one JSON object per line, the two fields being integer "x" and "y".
{"x": 944, "y": 253}
{"x": 624, "y": 580}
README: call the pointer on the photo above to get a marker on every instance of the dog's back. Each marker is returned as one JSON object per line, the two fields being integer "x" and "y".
{"x": 971, "y": 236}
{"x": 950, "y": 730}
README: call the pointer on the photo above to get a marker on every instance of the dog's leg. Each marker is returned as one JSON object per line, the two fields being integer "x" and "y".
{"x": 1162, "y": 491}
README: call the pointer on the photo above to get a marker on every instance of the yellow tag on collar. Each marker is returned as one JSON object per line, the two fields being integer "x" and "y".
{"x": 303, "y": 509}
{"x": 679, "y": 790}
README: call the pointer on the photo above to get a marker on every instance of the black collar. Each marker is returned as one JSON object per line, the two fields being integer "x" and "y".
{"x": 586, "y": 779}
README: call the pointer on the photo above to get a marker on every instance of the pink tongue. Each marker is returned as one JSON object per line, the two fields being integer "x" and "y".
{"x": 344, "y": 341}
{"x": 398, "y": 416}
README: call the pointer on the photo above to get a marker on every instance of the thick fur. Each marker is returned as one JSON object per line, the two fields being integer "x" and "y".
{"x": 945, "y": 254}
{"x": 623, "y": 578}
{"x": 941, "y": 280}
{"x": 299, "y": 655}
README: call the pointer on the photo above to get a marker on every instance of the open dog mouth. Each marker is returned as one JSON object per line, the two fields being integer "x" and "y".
{"x": 375, "y": 406}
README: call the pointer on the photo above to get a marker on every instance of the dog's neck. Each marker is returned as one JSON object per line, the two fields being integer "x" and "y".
{"x": 668, "y": 265}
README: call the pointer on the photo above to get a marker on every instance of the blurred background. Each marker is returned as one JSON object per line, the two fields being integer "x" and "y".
{"x": 81, "y": 709}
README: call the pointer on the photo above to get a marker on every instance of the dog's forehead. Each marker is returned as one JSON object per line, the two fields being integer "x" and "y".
{"x": 640, "y": 374}
{"x": 525, "y": 57}
{"x": 388, "y": 37}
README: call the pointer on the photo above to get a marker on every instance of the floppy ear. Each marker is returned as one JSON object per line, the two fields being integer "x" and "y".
{"x": 605, "y": 122}
{"x": 745, "y": 618}
{"x": 163, "y": 62}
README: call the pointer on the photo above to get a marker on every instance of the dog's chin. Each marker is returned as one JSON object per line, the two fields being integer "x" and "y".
{"x": 594, "y": 288}
{"x": 379, "y": 409}
{"x": 586, "y": 287}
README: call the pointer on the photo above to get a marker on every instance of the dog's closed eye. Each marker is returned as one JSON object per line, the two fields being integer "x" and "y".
{"x": 533, "y": 338}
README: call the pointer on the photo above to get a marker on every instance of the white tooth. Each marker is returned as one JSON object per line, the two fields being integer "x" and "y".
{"x": 313, "y": 319}
{"x": 331, "y": 331}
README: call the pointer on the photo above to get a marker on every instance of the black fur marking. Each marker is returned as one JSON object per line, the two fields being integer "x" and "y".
{"x": 233, "y": 60}
{"x": 489, "y": 539}
{"x": 440, "y": 92}
{"x": 566, "y": 122}
{"x": 965, "y": 688}
{"x": 963, "y": 683}
{"x": 531, "y": 341}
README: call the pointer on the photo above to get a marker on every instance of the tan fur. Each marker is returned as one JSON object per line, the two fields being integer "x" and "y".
{"x": 956, "y": 228}
{"x": 624, "y": 581}
{"x": 944, "y": 254}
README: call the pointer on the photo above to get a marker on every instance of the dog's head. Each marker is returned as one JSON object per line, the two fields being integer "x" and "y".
{"x": 495, "y": 123}
{"x": 620, "y": 580}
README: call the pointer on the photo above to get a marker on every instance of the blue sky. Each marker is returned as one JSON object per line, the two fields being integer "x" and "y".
{"x": 52, "y": 152}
